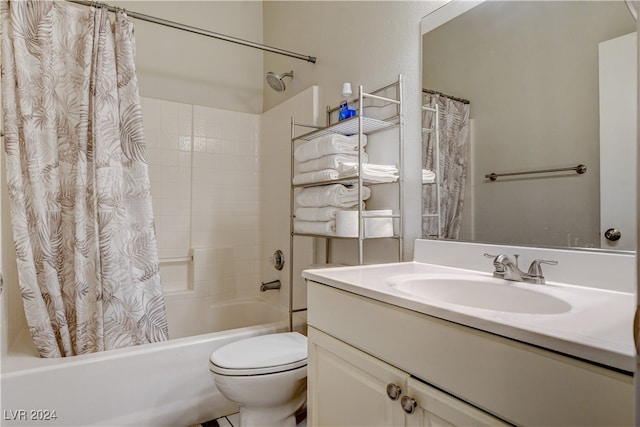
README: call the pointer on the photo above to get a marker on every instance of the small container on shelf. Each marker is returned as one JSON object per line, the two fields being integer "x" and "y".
{"x": 377, "y": 223}
{"x": 345, "y": 112}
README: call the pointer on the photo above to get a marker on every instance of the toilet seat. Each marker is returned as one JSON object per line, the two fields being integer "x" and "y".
{"x": 265, "y": 354}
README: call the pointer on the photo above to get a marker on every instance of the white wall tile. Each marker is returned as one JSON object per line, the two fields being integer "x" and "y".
{"x": 169, "y": 116}
{"x": 205, "y": 178}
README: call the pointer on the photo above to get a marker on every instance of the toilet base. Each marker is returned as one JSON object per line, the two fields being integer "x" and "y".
{"x": 278, "y": 416}
{"x": 266, "y": 400}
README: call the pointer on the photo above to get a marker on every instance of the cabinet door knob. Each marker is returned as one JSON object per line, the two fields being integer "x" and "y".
{"x": 393, "y": 391}
{"x": 408, "y": 404}
{"x": 613, "y": 234}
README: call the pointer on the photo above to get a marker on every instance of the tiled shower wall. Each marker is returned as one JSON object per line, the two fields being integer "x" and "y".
{"x": 204, "y": 171}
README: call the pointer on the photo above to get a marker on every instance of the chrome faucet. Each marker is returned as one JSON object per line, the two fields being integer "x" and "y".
{"x": 270, "y": 285}
{"x": 506, "y": 268}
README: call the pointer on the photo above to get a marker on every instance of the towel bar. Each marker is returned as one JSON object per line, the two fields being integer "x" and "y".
{"x": 580, "y": 169}
{"x": 175, "y": 260}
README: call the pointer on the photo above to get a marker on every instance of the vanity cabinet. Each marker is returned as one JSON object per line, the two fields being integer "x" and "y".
{"x": 435, "y": 408}
{"x": 347, "y": 386}
{"x": 454, "y": 373}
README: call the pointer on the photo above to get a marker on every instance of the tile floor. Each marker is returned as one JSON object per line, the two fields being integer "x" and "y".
{"x": 232, "y": 421}
{"x": 228, "y": 421}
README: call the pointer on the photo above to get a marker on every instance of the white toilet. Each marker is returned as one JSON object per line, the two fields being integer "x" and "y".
{"x": 266, "y": 375}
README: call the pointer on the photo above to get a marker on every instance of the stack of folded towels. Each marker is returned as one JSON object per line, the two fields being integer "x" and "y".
{"x": 327, "y": 158}
{"x": 335, "y": 156}
{"x": 319, "y": 159}
{"x": 317, "y": 207}
{"x": 370, "y": 172}
{"x": 327, "y": 145}
{"x": 316, "y": 161}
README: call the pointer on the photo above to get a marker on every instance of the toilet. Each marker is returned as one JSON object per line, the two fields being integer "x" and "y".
{"x": 266, "y": 375}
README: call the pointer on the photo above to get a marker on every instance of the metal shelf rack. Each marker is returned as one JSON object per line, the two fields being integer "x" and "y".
{"x": 377, "y": 111}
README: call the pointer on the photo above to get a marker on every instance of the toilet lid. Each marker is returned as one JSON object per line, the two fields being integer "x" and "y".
{"x": 263, "y": 354}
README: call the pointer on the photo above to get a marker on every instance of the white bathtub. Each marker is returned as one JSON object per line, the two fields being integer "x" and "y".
{"x": 162, "y": 384}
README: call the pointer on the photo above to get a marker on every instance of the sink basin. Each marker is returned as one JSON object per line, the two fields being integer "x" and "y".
{"x": 481, "y": 292}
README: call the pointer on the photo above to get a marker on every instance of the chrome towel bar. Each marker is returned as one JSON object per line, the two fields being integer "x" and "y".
{"x": 580, "y": 169}
{"x": 175, "y": 260}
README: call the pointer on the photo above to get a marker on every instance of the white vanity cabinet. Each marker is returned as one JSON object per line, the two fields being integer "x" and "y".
{"x": 348, "y": 387}
{"x": 435, "y": 408}
{"x": 456, "y": 375}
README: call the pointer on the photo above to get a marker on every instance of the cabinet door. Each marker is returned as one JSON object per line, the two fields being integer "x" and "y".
{"x": 435, "y": 408}
{"x": 347, "y": 387}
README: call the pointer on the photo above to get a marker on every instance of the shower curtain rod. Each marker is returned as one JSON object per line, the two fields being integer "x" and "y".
{"x": 195, "y": 30}
{"x": 435, "y": 92}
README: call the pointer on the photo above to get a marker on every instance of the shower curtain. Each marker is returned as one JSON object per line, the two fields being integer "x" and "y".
{"x": 453, "y": 132}
{"x": 77, "y": 177}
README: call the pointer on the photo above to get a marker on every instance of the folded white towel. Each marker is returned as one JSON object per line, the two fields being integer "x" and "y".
{"x": 428, "y": 176}
{"x": 331, "y": 161}
{"x": 370, "y": 172}
{"x": 328, "y": 144}
{"x": 337, "y": 195}
{"x": 370, "y": 167}
{"x": 316, "y": 176}
{"x": 326, "y": 213}
{"x": 315, "y": 227}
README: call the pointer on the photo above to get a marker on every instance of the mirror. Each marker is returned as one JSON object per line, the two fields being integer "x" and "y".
{"x": 544, "y": 94}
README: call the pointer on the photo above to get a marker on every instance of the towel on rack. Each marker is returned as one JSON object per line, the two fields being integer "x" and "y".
{"x": 315, "y": 227}
{"x": 331, "y": 161}
{"x": 370, "y": 172}
{"x": 326, "y": 213}
{"x": 328, "y": 144}
{"x": 316, "y": 176}
{"x": 337, "y": 195}
{"x": 428, "y": 176}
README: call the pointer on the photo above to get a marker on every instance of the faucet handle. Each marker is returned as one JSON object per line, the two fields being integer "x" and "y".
{"x": 535, "y": 270}
{"x": 501, "y": 255}
{"x": 499, "y": 267}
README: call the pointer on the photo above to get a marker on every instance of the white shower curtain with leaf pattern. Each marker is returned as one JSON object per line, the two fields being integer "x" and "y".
{"x": 77, "y": 177}
{"x": 453, "y": 132}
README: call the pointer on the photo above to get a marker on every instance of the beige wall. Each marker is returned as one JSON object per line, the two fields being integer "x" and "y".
{"x": 533, "y": 86}
{"x": 179, "y": 66}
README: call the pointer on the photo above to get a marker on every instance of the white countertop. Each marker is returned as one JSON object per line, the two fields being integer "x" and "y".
{"x": 597, "y": 328}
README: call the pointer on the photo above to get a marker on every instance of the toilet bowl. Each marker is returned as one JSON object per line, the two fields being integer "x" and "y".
{"x": 265, "y": 375}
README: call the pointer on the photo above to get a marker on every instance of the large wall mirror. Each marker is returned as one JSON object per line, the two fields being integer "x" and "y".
{"x": 529, "y": 123}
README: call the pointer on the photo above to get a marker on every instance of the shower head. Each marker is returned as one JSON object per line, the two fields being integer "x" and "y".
{"x": 276, "y": 82}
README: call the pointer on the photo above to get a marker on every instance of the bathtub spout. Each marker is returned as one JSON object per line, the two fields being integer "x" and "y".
{"x": 270, "y": 285}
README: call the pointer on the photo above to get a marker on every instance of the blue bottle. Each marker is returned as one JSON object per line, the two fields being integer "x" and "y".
{"x": 345, "y": 112}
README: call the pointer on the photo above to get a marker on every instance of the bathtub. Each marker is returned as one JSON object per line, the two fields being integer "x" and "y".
{"x": 161, "y": 384}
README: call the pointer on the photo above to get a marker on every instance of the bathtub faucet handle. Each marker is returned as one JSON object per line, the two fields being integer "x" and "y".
{"x": 277, "y": 260}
